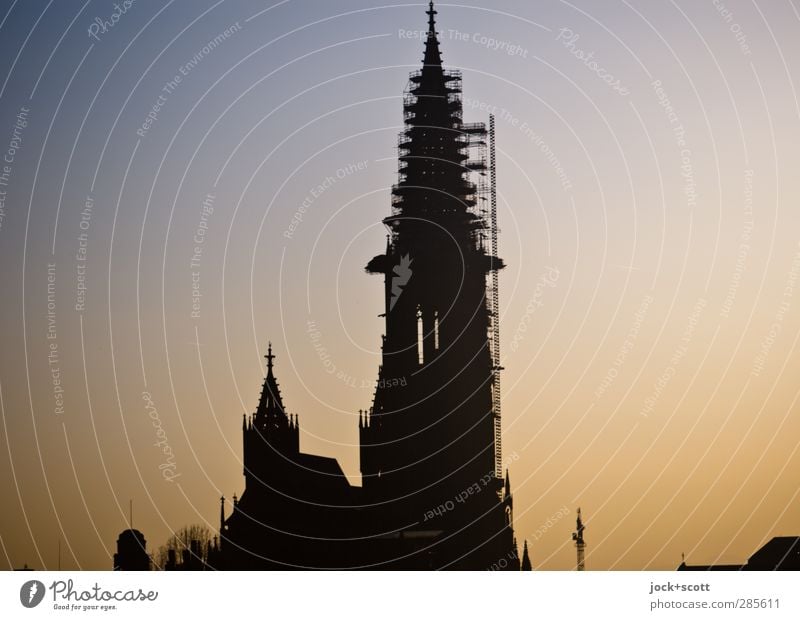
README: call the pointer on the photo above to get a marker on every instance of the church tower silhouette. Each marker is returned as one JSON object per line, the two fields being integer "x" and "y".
{"x": 433, "y": 493}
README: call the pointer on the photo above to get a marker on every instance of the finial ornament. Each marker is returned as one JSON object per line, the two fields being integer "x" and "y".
{"x": 269, "y": 357}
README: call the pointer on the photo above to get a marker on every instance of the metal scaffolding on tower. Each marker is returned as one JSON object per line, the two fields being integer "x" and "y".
{"x": 494, "y": 306}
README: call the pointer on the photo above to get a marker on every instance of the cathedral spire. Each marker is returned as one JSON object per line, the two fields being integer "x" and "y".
{"x": 433, "y": 57}
{"x": 270, "y": 405}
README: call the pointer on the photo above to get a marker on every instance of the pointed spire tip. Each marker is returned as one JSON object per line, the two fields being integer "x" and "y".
{"x": 433, "y": 56}
{"x": 269, "y": 357}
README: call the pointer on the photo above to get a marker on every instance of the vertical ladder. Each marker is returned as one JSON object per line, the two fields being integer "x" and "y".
{"x": 494, "y": 309}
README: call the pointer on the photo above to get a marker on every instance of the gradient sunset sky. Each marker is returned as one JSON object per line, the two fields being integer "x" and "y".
{"x": 648, "y": 202}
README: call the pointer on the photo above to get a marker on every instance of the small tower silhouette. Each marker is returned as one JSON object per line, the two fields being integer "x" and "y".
{"x": 131, "y": 548}
{"x": 131, "y": 551}
{"x": 526, "y": 560}
{"x": 580, "y": 545}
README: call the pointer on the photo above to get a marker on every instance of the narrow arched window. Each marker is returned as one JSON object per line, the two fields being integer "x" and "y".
{"x": 420, "y": 336}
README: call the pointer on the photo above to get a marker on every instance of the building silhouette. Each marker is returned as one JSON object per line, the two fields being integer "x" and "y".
{"x": 780, "y": 553}
{"x": 433, "y": 493}
{"x": 131, "y": 551}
